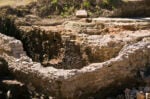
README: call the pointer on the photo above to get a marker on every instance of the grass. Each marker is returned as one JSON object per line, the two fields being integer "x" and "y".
{"x": 15, "y": 2}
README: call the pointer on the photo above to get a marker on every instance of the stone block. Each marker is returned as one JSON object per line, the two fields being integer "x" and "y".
{"x": 81, "y": 13}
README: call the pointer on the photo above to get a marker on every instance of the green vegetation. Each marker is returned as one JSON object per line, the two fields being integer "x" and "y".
{"x": 66, "y": 8}
{"x": 54, "y": 1}
{"x": 86, "y": 4}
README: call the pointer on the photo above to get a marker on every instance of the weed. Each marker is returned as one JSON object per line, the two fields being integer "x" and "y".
{"x": 54, "y": 2}
{"x": 86, "y": 4}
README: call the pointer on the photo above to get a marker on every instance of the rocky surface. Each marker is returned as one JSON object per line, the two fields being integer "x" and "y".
{"x": 74, "y": 44}
{"x": 96, "y": 56}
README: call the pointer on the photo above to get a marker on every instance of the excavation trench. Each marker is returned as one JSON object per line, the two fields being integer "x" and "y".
{"x": 50, "y": 49}
{"x": 87, "y": 64}
{"x": 82, "y": 80}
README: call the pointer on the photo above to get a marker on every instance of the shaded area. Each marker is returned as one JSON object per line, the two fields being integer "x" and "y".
{"x": 10, "y": 88}
{"x": 38, "y": 44}
{"x": 133, "y": 9}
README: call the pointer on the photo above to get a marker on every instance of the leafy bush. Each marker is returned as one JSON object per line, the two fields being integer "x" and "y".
{"x": 94, "y": 7}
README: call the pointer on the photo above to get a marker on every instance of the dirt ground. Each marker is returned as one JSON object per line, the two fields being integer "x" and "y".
{"x": 15, "y": 2}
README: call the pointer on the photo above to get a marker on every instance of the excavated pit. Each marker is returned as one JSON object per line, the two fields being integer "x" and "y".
{"x": 61, "y": 48}
{"x": 90, "y": 81}
{"x": 78, "y": 60}
{"x": 71, "y": 45}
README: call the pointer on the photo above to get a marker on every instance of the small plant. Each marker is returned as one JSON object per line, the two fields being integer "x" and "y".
{"x": 86, "y": 4}
{"x": 65, "y": 8}
{"x": 54, "y": 1}
{"x": 49, "y": 16}
{"x": 105, "y": 2}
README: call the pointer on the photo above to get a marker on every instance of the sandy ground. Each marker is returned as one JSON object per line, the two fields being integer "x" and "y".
{"x": 15, "y": 2}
